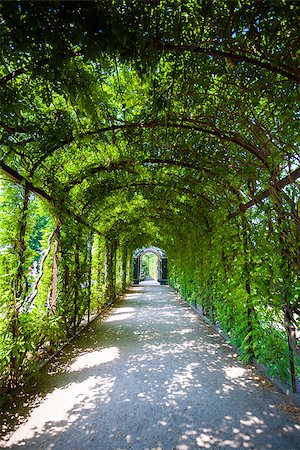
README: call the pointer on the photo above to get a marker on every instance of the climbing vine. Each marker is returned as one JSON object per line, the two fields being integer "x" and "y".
{"x": 128, "y": 124}
{"x": 53, "y": 279}
{"x": 235, "y": 276}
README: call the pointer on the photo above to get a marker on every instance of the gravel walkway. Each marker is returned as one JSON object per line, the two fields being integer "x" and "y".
{"x": 153, "y": 376}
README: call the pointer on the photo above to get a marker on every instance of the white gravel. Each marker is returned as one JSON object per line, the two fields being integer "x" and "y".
{"x": 153, "y": 376}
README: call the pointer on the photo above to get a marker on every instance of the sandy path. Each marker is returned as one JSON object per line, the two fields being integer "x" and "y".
{"x": 152, "y": 376}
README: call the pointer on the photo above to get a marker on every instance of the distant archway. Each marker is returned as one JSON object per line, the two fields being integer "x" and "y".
{"x": 150, "y": 266}
{"x": 162, "y": 264}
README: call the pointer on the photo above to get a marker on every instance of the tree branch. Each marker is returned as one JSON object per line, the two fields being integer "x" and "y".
{"x": 34, "y": 292}
{"x": 232, "y": 56}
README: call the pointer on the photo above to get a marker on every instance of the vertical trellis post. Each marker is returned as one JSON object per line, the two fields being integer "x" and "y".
{"x": 288, "y": 260}
{"x": 89, "y": 270}
{"x": 77, "y": 278}
{"x": 19, "y": 283}
{"x": 247, "y": 255}
{"x": 99, "y": 270}
{"x": 124, "y": 267}
{"x": 110, "y": 267}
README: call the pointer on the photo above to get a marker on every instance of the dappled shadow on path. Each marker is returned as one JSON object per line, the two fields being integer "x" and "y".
{"x": 153, "y": 376}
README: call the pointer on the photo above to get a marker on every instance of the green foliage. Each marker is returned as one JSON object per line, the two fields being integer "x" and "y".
{"x": 166, "y": 123}
{"x": 98, "y": 274}
{"x": 149, "y": 265}
{"x": 239, "y": 291}
{"x": 34, "y": 324}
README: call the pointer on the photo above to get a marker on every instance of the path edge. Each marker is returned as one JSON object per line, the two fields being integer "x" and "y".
{"x": 283, "y": 387}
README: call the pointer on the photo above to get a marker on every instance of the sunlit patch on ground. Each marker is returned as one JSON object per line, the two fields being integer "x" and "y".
{"x": 118, "y": 317}
{"x": 234, "y": 372}
{"x": 62, "y": 407}
{"x": 94, "y": 358}
{"x": 169, "y": 383}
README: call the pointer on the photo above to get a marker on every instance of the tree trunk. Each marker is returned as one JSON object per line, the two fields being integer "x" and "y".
{"x": 54, "y": 287}
{"x": 35, "y": 288}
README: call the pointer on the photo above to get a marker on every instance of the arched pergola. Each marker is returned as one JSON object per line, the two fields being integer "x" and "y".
{"x": 162, "y": 267}
{"x": 185, "y": 135}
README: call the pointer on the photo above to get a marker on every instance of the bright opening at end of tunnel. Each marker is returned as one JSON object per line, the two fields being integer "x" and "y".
{"x": 150, "y": 267}
{"x": 150, "y": 264}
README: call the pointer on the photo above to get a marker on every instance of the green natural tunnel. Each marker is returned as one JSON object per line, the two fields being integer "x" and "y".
{"x": 132, "y": 124}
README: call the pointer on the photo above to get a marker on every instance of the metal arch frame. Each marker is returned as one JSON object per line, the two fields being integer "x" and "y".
{"x": 142, "y": 251}
{"x": 162, "y": 268}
